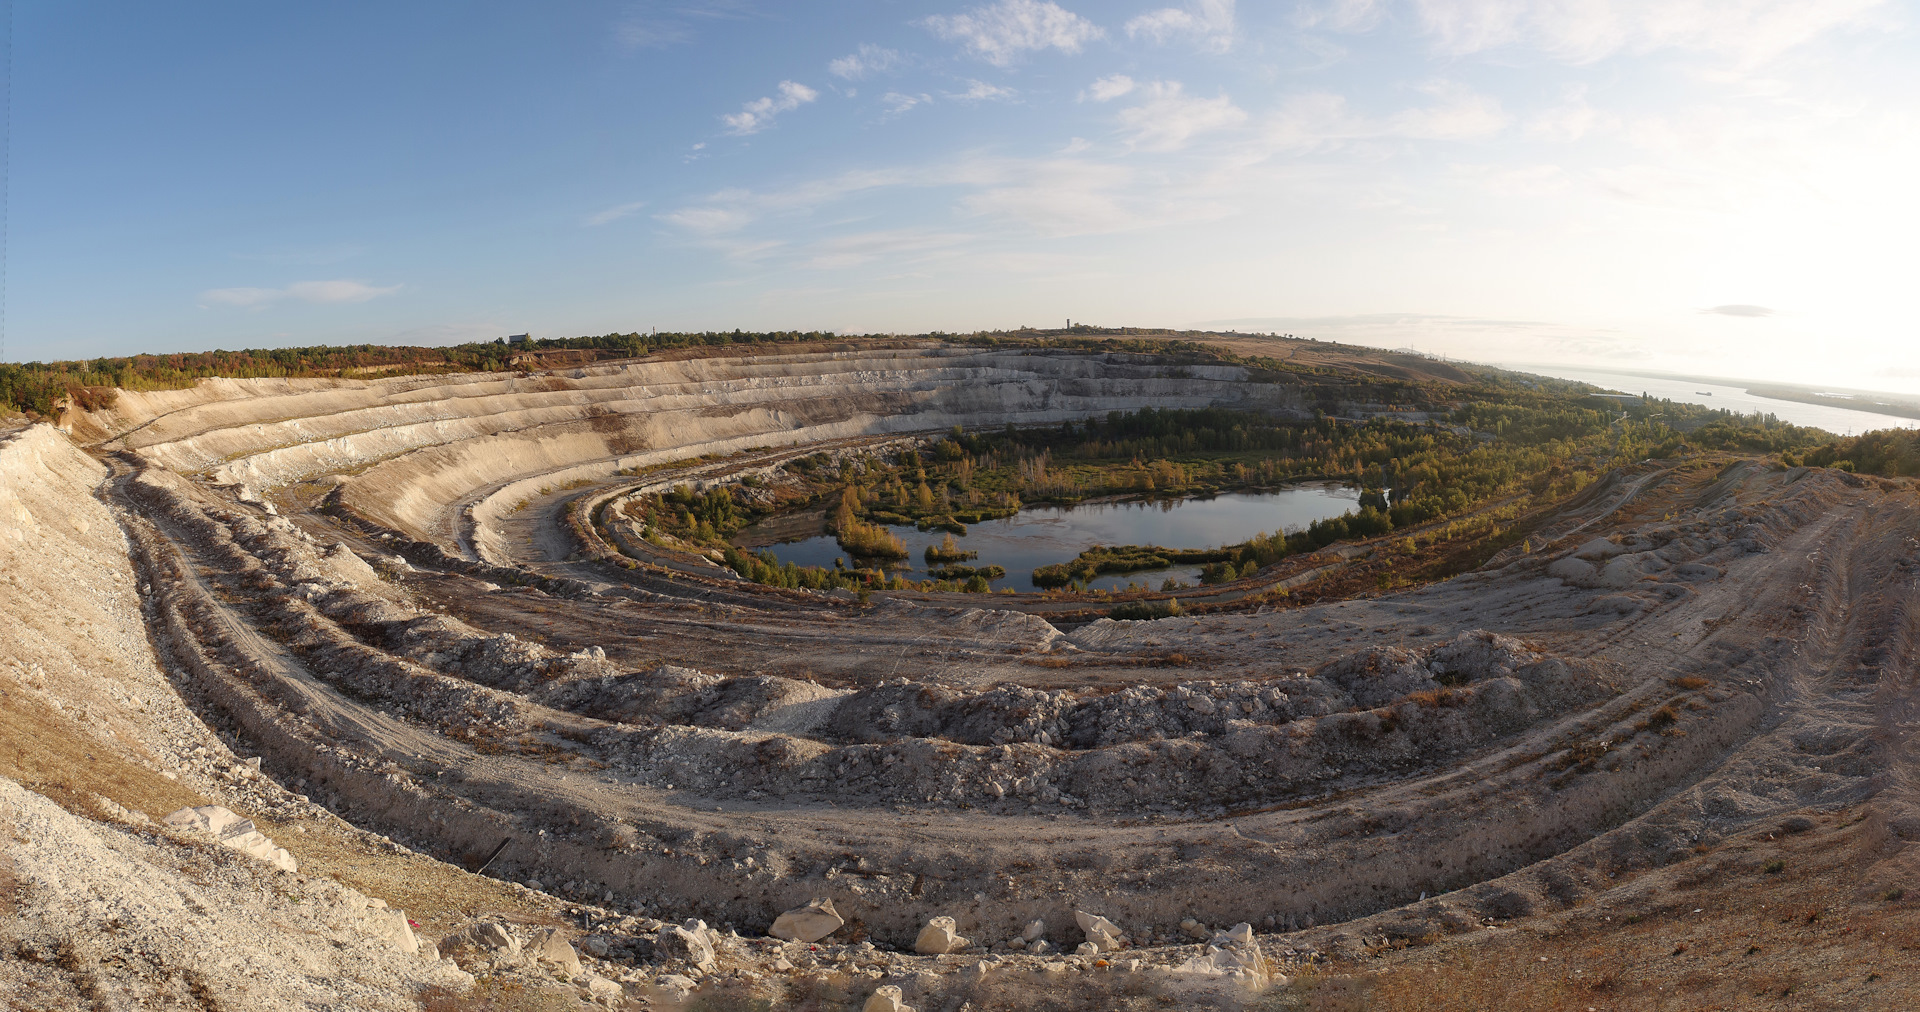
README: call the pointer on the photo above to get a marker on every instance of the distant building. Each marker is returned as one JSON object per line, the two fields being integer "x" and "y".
{"x": 519, "y": 338}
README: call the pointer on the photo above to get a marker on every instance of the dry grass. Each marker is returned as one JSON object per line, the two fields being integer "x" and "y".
{"x": 48, "y": 752}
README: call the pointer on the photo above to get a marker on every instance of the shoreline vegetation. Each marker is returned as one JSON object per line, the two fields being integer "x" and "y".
{"x": 1463, "y": 472}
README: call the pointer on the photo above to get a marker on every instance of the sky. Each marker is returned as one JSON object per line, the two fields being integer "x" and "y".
{"x": 1716, "y": 186}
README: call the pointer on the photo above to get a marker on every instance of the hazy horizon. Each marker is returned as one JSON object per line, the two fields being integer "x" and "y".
{"x": 1710, "y": 188}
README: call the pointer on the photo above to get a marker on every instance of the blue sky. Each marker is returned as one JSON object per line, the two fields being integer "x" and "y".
{"x": 1721, "y": 185}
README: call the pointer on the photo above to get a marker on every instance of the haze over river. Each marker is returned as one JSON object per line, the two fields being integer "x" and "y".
{"x": 1043, "y": 535}
{"x": 1839, "y": 421}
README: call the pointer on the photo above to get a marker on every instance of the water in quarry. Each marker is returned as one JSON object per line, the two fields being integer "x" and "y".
{"x": 1043, "y": 535}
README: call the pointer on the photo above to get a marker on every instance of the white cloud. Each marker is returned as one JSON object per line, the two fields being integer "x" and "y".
{"x": 1750, "y": 31}
{"x": 1108, "y": 88}
{"x": 892, "y": 245}
{"x": 1739, "y": 310}
{"x": 1170, "y": 117}
{"x": 898, "y": 103}
{"x": 1341, "y": 15}
{"x": 1000, "y": 32}
{"x": 868, "y": 59}
{"x": 614, "y": 213}
{"x": 1321, "y": 120}
{"x": 981, "y": 91}
{"x": 1460, "y": 113}
{"x": 1571, "y": 120}
{"x": 758, "y": 114}
{"x": 1208, "y": 22}
{"x": 711, "y": 219}
{"x": 319, "y": 292}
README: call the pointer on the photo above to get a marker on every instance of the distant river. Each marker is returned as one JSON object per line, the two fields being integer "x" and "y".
{"x": 1043, "y": 535}
{"x": 1840, "y": 421}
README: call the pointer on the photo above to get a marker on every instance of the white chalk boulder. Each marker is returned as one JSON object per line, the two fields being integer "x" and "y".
{"x": 1101, "y": 933}
{"x": 886, "y": 998}
{"x": 481, "y": 936}
{"x": 547, "y": 946}
{"x": 810, "y": 923}
{"x": 232, "y": 831}
{"x": 691, "y": 947}
{"x": 939, "y": 937}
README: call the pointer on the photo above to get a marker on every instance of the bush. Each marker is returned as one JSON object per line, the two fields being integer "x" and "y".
{"x": 1147, "y": 609}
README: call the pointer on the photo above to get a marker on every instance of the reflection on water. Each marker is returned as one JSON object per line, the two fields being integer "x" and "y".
{"x": 1044, "y": 535}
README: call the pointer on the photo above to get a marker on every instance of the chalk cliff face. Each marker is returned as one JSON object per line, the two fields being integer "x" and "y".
{"x": 418, "y": 448}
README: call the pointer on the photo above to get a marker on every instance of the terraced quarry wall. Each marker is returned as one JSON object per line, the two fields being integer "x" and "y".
{"x": 413, "y": 449}
{"x": 1672, "y": 668}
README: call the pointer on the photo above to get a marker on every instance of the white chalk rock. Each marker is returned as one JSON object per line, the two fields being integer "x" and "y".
{"x": 392, "y": 925}
{"x": 485, "y": 936}
{"x": 602, "y": 990}
{"x": 1103, "y": 934}
{"x": 1239, "y": 934}
{"x": 886, "y": 998}
{"x": 938, "y": 938}
{"x": 810, "y": 923}
{"x": 676, "y": 942}
{"x": 546, "y": 946}
{"x": 233, "y": 831}
{"x": 1035, "y": 929}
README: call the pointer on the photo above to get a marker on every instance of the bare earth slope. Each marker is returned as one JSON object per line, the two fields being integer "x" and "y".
{"x": 1693, "y": 666}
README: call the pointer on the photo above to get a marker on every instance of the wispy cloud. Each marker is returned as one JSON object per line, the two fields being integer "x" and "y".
{"x": 892, "y": 245}
{"x": 654, "y": 25}
{"x": 1341, "y": 15}
{"x": 614, "y": 213}
{"x": 1107, "y": 88}
{"x": 898, "y": 103}
{"x": 1210, "y": 23}
{"x": 318, "y": 292}
{"x": 759, "y": 114}
{"x": 1750, "y": 31}
{"x": 1001, "y": 32}
{"x": 1323, "y": 120}
{"x": 981, "y": 91}
{"x": 868, "y": 59}
{"x": 1739, "y": 310}
{"x": 1169, "y": 117}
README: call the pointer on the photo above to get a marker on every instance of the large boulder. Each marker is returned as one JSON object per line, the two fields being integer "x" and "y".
{"x": 233, "y": 831}
{"x": 547, "y": 946}
{"x": 810, "y": 923}
{"x": 483, "y": 937}
{"x": 886, "y": 998}
{"x": 939, "y": 937}
{"x": 675, "y": 942}
{"x": 1102, "y": 934}
{"x": 393, "y": 926}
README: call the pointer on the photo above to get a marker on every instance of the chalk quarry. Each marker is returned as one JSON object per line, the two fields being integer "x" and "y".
{"x": 358, "y": 615}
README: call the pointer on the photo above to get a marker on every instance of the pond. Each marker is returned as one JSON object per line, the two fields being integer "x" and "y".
{"x": 1043, "y": 535}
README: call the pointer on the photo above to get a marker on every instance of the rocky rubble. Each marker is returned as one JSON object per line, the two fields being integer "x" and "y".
{"x": 150, "y": 919}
